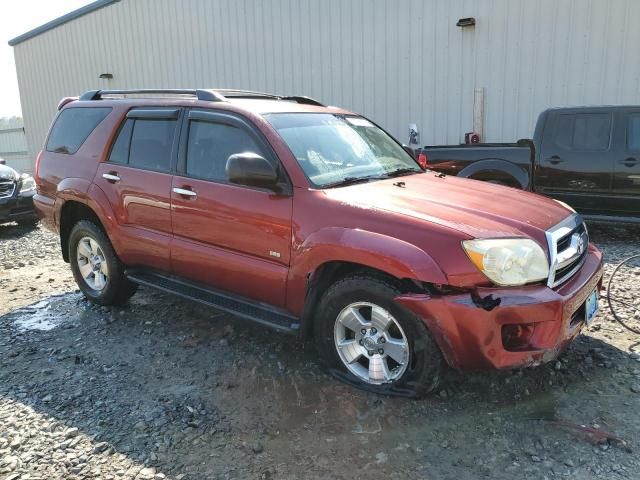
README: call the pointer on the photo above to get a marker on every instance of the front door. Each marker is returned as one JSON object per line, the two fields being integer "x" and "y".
{"x": 231, "y": 237}
{"x": 626, "y": 175}
{"x": 137, "y": 181}
{"x": 575, "y": 163}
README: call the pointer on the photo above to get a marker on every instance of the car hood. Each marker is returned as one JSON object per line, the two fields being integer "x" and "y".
{"x": 478, "y": 209}
{"x": 8, "y": 173}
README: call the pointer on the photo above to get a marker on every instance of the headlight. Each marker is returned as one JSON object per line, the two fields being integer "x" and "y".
{"x": 568, "y": 207}
{"x": 508, "y": 261}
{"x": 28, "y": 184}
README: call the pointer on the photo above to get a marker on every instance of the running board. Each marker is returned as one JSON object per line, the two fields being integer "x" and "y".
{"x": 239, "y": 306}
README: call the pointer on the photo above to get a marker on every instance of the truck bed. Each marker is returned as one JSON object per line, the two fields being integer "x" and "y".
{"x": 509, "y": 163}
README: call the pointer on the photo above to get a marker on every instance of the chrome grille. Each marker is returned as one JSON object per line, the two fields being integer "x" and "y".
{"x": 7, "y": 187}
{"x": 568, "y": 242}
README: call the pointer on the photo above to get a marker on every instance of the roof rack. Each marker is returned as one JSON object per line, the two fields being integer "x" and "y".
{"x": 207, "y": 95}
{"x": 218, "y": 95}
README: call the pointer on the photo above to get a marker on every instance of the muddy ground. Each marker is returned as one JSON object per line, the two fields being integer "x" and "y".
{"x": 164, "y": 388}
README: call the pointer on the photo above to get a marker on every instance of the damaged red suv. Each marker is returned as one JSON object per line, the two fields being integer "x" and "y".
{"x": 313, "y": 220}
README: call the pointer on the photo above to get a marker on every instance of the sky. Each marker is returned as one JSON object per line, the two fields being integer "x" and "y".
{"x": 16, "y": 18}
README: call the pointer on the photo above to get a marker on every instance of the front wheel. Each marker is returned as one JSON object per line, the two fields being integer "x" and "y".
{"x": 376, "y": 343}
{"x": 95, "y": 266}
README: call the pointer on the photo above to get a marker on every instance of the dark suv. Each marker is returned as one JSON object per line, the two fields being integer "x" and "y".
{"x": 16, "y": 196}
{"x": 313, "y": 220}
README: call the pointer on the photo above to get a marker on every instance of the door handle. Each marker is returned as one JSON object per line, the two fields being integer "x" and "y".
{"x": 629, "y": 162}
{"x": 111, "y": 177}
{"x": 555, "y": 159}
{"x": 185, "y": 192}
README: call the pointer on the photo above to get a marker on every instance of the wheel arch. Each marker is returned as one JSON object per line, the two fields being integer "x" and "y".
{"x": 321, "y": 264}
{"x": 71, "y": 212}
{"x": 497, "y": 169}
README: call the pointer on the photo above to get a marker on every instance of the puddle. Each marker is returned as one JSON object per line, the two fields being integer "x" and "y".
{"x": 44, "y": 315}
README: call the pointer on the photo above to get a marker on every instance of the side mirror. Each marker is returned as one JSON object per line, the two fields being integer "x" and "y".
{"x": 409, "y": 150}
{"x": 252, "y": 170}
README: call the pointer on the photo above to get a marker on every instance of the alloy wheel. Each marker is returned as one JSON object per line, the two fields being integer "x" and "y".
{"x": 371, "y": 343}
{"x": 92, "y": 263}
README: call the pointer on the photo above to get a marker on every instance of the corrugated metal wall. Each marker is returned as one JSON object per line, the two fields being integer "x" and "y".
{"x": 396, "y": 61}
{"x": 13, "y": 144}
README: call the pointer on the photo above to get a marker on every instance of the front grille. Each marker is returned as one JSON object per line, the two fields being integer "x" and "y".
{"x": 568, "y": 242}
{"x": 7, "y": 187}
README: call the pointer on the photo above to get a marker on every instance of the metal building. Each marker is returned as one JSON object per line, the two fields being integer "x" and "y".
{"x": 13, "y": 144}
{"x": 399, "y": 62}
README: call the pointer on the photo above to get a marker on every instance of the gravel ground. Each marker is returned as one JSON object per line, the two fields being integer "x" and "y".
{"x": 163, "y": 388}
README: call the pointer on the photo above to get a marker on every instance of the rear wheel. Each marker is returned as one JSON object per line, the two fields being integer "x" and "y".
{"x": 95, "y": 266}
{"x": 376, "y": 343}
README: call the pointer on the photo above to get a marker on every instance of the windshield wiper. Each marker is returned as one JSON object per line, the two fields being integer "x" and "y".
{"x": 353, "y": 180}
{"x": 402, "y": 171}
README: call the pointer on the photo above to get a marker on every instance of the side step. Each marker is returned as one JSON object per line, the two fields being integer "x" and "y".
{"x": 239, "y": 306}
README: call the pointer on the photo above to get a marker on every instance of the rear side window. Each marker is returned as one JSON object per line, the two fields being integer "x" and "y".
{"x": 145, "y": 143}
{"x": 211, "y": 144}
{"x": 633, "y": 132}
{"x": 120, "y": 149}
{"x": 72, "y": 128}
{"x": 583, "y": 132}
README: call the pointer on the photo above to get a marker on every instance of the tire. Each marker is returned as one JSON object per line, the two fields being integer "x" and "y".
{"x": 106, "y": 283}
{"x": 423, "y": 368}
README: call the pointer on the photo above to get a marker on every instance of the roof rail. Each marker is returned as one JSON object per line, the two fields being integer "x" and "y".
{"x": 207, "y": 95}
{"x": 217, "y": 95}
{"x": 252, "y": 94}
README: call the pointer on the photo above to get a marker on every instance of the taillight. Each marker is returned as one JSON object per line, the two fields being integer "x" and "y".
{"x": 37, "y": 165}
{"x": 422, "y": 160}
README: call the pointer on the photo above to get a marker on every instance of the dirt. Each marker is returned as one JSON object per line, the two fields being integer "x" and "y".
{"x": 164, "y": 388}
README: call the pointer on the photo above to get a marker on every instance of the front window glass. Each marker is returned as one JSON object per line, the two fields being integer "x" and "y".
{"x": 211, "y": 144}
{"x": 336, "y": 150}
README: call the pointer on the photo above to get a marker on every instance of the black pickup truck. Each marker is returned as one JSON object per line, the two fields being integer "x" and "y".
{"x": 587, "y": 157}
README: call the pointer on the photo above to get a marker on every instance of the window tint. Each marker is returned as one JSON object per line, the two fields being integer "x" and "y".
{"x": 151, "y": 144}
{"x": 633, "y": 132}
{"x": 591, "y": 132}
{"x": 563, "y": 131}
{"x": 583, "y": 132}
{"x": 210, "y": 145}
{"x": 72, "y": 128}
{"x": 120, "y": 149}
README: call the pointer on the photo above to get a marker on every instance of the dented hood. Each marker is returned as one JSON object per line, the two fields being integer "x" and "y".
{"x": 479, "y": 209}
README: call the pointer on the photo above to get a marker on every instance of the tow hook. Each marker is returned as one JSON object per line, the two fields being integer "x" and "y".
{"x": 487, "y": 303}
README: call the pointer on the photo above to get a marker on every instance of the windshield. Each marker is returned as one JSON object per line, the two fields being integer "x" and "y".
{"x": 336, "y": 150}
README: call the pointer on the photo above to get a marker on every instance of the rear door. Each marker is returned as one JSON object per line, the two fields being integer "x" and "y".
{"x": 137, "y": 181}
{"x": 626, "y": 177}
{"x": 575, "y": 164}
{"x": 231, "y": 237}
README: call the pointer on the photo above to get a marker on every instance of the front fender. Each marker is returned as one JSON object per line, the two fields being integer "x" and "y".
{"x": 393, "y": 256}
{"x": 519, "y": 174}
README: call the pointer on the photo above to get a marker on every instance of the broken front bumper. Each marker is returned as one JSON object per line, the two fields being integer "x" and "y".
{"x": 473, "y": 336}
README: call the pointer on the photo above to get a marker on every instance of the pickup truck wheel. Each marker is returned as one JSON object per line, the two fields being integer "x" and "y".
{"x": 377, "y": 343}
{"x": 95, "y": 267}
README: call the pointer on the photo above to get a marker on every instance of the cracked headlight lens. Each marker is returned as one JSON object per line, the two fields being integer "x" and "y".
{"x": 508, "y": 261}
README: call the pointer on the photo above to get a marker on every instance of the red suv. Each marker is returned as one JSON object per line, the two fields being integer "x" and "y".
{"x": 313, "y": 220}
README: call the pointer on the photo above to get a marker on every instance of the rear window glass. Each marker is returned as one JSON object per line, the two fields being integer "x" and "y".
{"x": 633, "y": 132}
{"x": 120, "y": 149}
{"x": 72, "y": 128}
{"x": 583, "y": 132}
{"x": 151, "y": 144}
